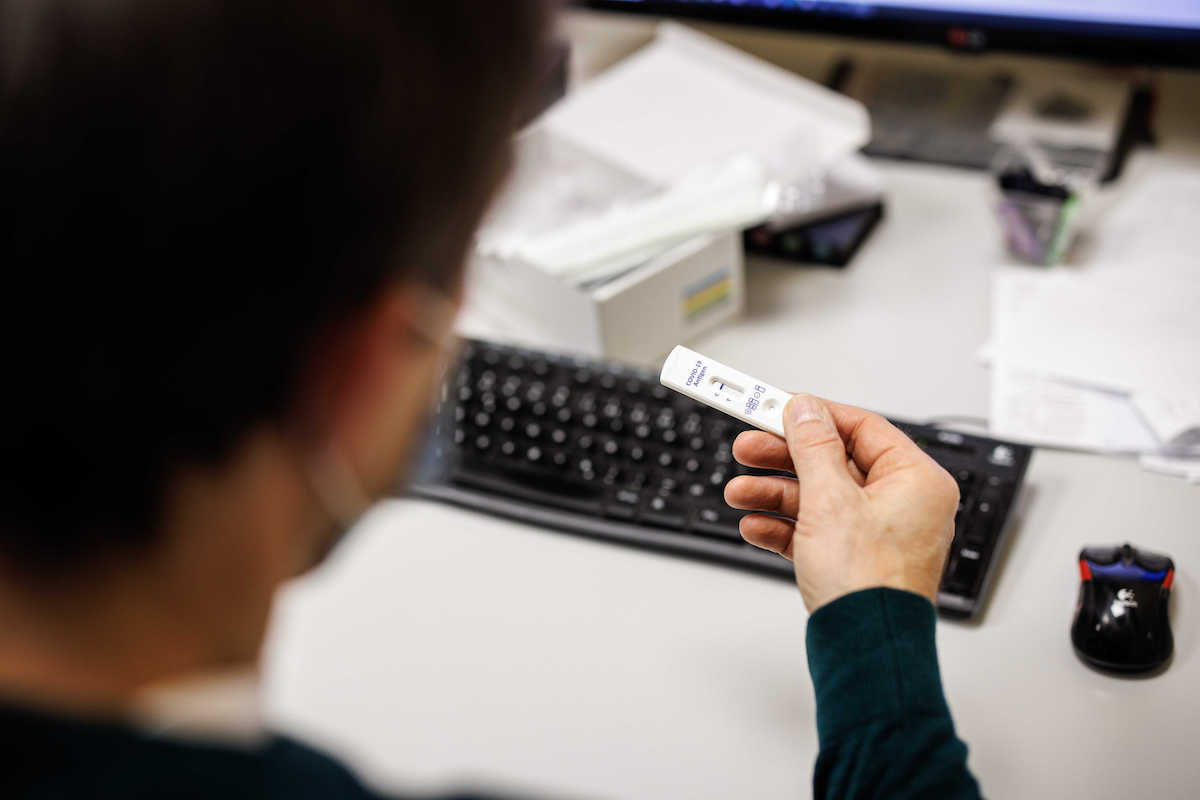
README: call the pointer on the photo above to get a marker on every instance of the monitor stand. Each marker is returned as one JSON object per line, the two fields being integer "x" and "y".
{"x": 962, "y": 117}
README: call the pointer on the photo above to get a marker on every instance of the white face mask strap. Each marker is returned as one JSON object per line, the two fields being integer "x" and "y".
{"x": 433, "y": 317}
{"x": 334, "y": 481}
{"x": 337, "y": 487}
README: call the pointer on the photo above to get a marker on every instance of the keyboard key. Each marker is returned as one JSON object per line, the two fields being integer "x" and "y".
{"x": 721, "y": 523}
{"x": 665, "y": 512}
{"x": 984, "y": 519}
{"x": 964, "y": 571}
{"x": 623, "y": 504}
{"x": 535, "y": 486}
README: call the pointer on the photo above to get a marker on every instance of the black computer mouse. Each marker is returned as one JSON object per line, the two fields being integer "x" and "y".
{"x": 1121, "y": 619}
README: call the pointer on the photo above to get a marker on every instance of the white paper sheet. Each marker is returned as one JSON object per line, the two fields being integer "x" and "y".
{"x": 1175, "y": 418}
{"x": 1187, "y": 468}
{"x": 1148, "y": 227}
{"x": 1108, "y": 329}
{"x": 1032, "y": 408}
{"x": 687, "y": 101}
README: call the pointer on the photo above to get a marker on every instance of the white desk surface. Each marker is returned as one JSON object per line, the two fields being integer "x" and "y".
{"x": 442, "y": 647}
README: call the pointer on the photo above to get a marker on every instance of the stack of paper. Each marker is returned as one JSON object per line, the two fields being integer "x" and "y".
{"x": 688, "y": 101}
{"x": 686, "y": 137}
{"x": 1104, "y": 360}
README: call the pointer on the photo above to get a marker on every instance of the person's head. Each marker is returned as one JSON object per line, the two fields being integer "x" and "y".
{"x": 230, "y": 231}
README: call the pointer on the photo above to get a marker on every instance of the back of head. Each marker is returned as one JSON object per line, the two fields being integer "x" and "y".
{"x": 193, "y": 193}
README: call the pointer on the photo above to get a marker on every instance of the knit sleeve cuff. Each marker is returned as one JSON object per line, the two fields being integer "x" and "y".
{"x": 872, "y": 656}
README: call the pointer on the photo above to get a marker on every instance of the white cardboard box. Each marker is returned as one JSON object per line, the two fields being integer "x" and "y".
{"x": 637, "y": 317}
{"x": 684, "y": 106}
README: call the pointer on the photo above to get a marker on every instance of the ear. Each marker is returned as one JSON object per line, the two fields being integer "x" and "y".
{"x": 373, "y": 381}
{"x": 354, "y": 365}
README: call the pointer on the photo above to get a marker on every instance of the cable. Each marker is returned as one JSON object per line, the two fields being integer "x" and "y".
{"x": 947, "y": 420}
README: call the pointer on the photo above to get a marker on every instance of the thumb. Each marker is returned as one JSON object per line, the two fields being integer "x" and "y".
{"x": 815, "y": 445}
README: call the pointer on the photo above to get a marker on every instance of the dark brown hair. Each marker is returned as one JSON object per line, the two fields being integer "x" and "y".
{"x": 191, "y": 194}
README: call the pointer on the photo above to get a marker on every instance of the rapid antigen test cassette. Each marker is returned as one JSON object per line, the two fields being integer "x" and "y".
{"x": 725, "y": 389}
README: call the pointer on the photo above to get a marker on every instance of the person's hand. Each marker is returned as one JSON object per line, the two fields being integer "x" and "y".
{"x": 868, "y": 507}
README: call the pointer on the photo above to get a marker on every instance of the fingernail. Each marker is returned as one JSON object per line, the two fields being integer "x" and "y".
{"x": 805, "y": 408}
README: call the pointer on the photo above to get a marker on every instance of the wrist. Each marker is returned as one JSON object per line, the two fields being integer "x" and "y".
{"x": 922, "y": 586}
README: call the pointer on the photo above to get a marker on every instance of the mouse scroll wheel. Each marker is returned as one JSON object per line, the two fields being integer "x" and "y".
{"x": 1127, "y": 553}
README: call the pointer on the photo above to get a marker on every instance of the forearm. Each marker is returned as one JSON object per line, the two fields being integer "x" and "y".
{"x": 882, "y": 721}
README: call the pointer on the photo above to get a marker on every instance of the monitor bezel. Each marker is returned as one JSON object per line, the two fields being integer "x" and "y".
{"x": 1102, "y": 42}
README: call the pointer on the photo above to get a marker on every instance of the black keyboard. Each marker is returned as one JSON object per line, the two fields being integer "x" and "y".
{"x": 604, "y": 450}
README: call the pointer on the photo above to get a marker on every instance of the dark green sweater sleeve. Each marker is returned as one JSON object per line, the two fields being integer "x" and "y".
{"x": 883, "y": 725}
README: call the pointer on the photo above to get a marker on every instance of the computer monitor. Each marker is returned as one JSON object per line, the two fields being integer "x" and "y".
{"x": 1152, "y": 32}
